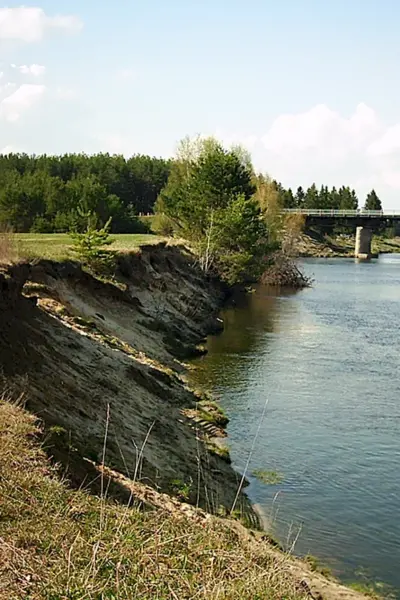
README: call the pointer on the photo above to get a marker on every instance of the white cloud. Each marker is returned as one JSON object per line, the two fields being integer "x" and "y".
{"x": 324, "y": 146}
{"x": 14, "y": 105}
{"x": 232, "y": 139}
{"x": 7, "y": 88}
{"x": 322, "y": 130}
{"x": 386, "y": 144}
{"x": 68, "y": 23}
{"x": 35, "y": 70}
{"x": 29, "y": 24}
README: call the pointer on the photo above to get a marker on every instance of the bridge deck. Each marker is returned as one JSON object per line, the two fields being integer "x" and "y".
{"x": 323, "y": 212}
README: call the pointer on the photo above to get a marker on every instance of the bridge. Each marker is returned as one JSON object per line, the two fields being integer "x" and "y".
{"x": 365, "y": 221}
{"x": 360, "y": 214}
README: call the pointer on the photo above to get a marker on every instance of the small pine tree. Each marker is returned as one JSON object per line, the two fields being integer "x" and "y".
{"x": 372, "y": 201}
{"x": 88, "y": 246}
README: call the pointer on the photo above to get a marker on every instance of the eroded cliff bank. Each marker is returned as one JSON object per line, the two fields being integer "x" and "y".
{"x": 103, "y": 360}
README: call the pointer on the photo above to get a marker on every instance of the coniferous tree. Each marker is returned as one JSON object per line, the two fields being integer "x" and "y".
{"x": 334, "y": 198}
{"x": 372, "y": 201}
{"x": 288, "y": 199}
{"x": 324, "y": 197}
{"x": 300, "y": 197}
{"x": 209, "y": 198}
{"x": 311, "y": 199}
{"x": 348, "y": 199}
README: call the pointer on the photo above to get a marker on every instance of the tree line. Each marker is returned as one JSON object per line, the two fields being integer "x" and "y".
{"x": 343, "y": 198}
{"x": 47, "y": 194}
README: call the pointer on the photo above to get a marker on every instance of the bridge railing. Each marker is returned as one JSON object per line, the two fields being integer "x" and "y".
{"x": 327, "y": 212}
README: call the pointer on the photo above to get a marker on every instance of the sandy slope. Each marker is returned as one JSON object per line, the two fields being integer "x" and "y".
{"x": 89, "y": 349}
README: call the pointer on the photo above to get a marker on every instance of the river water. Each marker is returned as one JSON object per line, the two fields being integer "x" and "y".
{"x": 314, "y": 377}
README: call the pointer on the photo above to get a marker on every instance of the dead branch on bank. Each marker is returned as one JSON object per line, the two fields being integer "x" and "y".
{"x": 283, "y": 272}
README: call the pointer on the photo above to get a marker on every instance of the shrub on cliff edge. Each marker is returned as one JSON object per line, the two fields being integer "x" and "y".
{"x": 89, "y": 246}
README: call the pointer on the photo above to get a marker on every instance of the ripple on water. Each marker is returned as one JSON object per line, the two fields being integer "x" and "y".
{"x": 327, "y": 360}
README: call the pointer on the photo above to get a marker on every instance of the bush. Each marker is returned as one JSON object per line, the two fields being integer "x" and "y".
{"x": 41, "y": 225}
{"x": 283, "y": 272}
{"x": 89, "y": 247}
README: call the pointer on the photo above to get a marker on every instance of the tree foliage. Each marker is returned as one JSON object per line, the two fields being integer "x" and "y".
{"x": 50, "y": 193}
{"x": 372, "y": 201}
{"x": 325, "y": 198}
{"x": 269, "y": 197}
{"x": 209, "y": 198}
{"x": 89, "y": 245}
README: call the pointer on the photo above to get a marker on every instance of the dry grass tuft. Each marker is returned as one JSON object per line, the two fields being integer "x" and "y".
{"x": 9, "y": 252}
{"x": 59, "y": 544}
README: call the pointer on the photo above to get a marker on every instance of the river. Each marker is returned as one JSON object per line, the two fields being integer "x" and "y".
{"x": 316, "y": 374}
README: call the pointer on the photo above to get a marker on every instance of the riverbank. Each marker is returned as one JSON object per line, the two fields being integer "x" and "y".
{"x": 312, "y": 243}
{"x": 86, "y": 350}
{"x": 98, "y": 366}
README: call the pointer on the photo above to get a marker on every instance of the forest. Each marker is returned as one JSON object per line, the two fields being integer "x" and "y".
{"x": 46, "y": 194}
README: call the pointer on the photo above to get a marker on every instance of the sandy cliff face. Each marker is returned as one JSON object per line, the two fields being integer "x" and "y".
{"x": 101, "y": 361}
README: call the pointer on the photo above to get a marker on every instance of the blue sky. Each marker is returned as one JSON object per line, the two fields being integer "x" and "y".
{"x": 311, "y": 87}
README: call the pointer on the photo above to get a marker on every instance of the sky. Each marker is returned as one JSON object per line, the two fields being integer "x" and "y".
{"x": 310, "y": 87}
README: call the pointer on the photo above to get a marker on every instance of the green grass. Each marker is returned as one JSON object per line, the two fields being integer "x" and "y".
{"x": 56, "y": 246}
{"x": 268, "y": 477}
{"x": 60, "y": 544}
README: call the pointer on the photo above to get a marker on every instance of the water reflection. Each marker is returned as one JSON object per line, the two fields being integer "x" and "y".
{"x": 247, "y": 315}
{"x": 327, "y": 361}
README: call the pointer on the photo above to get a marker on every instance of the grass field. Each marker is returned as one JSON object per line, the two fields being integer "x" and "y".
{"x": 57, "y": 246}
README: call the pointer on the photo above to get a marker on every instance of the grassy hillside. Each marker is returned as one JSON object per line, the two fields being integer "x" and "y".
{"x": 56, "y": 543}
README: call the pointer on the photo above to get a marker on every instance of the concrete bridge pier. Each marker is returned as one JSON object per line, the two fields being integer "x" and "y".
{"x": 363, "y": 243}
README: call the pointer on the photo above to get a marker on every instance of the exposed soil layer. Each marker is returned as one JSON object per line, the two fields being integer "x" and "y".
{"x": 101, "y": 361}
